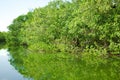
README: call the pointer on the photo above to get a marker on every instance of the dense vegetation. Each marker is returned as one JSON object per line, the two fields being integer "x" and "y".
{"x": 3, "y": 37}
{"x": 74, "y": 27}
{"x": 86, "y": 29}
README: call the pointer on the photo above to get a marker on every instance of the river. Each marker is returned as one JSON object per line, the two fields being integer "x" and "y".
{"x": 18, "y": 64}
{"x": 7, "y": 71}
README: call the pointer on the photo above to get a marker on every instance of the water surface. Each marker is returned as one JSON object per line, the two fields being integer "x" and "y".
{"x": 7, "y": 71}
{"x": 19, "y": 64}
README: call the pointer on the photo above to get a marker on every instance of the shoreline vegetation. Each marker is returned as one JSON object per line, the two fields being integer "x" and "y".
{"x": 66, "y": 40}
{"x": 76, "y": 27}
{"x": 3, "y": 37}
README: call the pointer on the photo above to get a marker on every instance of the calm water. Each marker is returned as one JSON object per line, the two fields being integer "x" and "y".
{"x": 7, "y": 71}
{"x": 19, "y": 64}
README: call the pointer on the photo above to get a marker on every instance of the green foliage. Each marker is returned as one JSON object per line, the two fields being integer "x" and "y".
{"x": 88, "y": 27}
{"x": 3, "y": 37}
{"x": 14, "y": 36}
{"x": 66, "y": 26}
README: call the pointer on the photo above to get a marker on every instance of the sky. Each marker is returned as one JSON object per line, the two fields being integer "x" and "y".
{"x": 11, "y": 9}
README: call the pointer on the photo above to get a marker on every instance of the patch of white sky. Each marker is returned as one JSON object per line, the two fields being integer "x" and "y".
{"x": 10, "y": 9}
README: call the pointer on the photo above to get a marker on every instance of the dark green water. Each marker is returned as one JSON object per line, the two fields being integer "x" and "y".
{"x": 20, "y": 64}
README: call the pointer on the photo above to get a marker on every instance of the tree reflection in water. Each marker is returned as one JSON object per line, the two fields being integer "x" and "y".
{"x": 61, "y": 66}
